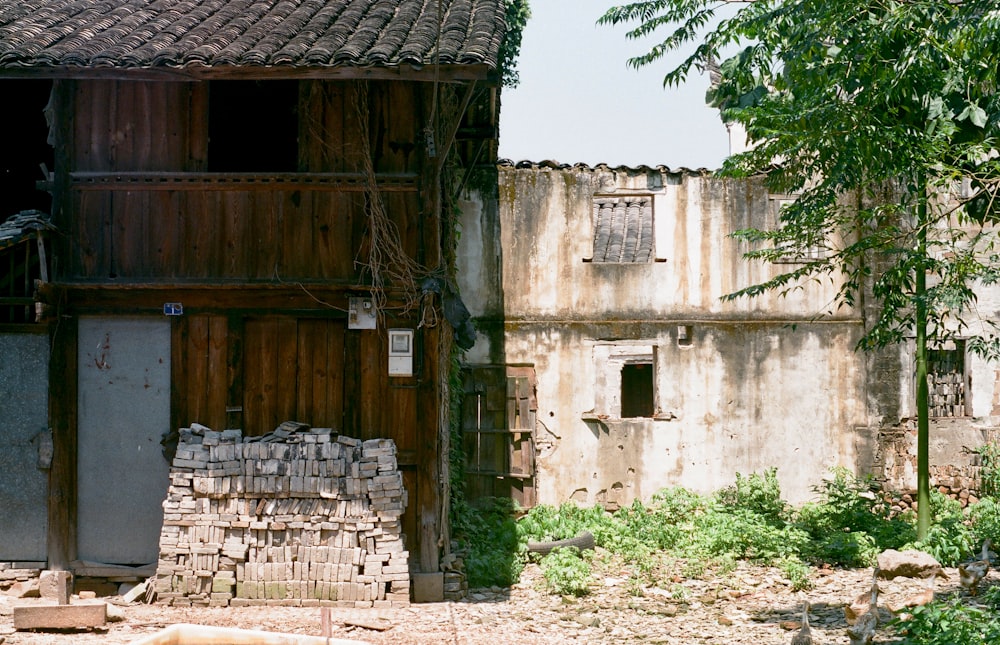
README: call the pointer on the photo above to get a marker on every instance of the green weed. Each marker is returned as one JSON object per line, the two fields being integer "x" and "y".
{"x": 948, "y": 622}
{"x": 567, "y": 572}
{"x": 989, "y": 471}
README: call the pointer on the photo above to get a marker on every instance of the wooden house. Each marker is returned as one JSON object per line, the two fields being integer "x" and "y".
{"x": 246, "y": 200}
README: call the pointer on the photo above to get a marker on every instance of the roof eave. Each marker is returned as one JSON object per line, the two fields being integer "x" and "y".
{"x": 445, "y": 73}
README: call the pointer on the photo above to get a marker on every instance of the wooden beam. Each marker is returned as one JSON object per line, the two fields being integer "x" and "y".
{"x": 327, "y": 297}
{"x": 453, "y": 130}
{"x": 241, "y": 181}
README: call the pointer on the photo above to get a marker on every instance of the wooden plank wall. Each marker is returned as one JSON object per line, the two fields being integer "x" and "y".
{"x": 255, "y": 371}
{"x": 135, "y": 125}
{"x": 162, "y": 236}
{"x": 243, "y": 364}
{"x": 146, "y": 233}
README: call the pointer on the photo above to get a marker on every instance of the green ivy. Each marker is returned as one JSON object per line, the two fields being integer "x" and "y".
{"x": 516, "y": 15}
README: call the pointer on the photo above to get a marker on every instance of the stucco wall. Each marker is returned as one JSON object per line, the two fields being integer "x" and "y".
{"x": 739, "y": 386}
{"x": 547, "y": 236}
{"x": 740, "y": 398}
{"x": 756, "y": 383}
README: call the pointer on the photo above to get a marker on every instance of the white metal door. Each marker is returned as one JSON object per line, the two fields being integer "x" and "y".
{"x": 124, "y": 410}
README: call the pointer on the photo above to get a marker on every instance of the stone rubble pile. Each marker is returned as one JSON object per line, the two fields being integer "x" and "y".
{"x": 960, "y": 483}
{"x": 11, "y": 574}
{"x": 298, "y": 517}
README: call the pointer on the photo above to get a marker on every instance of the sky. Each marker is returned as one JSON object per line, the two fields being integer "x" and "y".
{"x": 579, "y": 102}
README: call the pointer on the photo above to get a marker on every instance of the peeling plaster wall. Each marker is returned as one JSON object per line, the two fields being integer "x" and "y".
{"x": 478, "y": 256}
{"x": 756, "y": 384}
{"x": 547, "y": 234}
{"x": 741, "y": 398}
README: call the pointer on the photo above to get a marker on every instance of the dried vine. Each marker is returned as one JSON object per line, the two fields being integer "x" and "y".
{"x": 387, "y": 261}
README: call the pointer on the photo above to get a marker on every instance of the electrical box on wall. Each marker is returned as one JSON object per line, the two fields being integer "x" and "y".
{"x": 400, "y": 352}
{"x": 360, "y": 313}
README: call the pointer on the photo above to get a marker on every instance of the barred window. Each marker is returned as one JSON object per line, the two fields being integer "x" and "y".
{"x": 947, "y": 378}
{"x": 812, "y": 252}
{"x": 623, "y": 230}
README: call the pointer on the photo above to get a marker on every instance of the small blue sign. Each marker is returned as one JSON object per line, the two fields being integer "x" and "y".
{"x": 173, "y": 309}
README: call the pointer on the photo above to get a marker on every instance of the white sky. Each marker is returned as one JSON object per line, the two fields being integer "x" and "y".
{"x": 579, "y": 101}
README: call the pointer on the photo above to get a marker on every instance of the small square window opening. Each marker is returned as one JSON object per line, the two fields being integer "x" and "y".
{"x": 637, "y": 390}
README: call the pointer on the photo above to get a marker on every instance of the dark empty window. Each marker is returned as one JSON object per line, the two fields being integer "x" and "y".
{"x": 253, "y": 126}
{"x": 25, "y": 147}
{"x": 637, "y": 390}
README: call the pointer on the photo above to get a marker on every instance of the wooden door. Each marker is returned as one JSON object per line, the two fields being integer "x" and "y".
{"x": 498, "y": 424}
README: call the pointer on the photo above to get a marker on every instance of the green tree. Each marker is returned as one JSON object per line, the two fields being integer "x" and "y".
{"x": 883, "y": 116}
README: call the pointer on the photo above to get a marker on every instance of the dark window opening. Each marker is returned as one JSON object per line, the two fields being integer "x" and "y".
{"x": 25, "y": 147}
{"x": 253, "y": 126}
{"x": 637, "y": 390}
{"x": 946, "y": 379}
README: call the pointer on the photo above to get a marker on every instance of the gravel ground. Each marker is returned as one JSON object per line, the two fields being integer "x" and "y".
{"x": 749, "y": 605}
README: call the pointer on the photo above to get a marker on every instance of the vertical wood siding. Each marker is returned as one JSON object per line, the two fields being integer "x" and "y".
{"x": 152, "y": 234}
{"x": 247, "y": 366}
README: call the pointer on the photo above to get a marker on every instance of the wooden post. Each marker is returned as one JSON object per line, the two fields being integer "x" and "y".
{"x": 61, "y": 545}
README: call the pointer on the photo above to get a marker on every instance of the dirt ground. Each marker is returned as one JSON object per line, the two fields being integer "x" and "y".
{"x": 750, "y": 605}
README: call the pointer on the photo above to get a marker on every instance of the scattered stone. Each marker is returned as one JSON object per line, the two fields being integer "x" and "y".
{"x": 55, "y": 586}
{"x": 907, "y": 564}
{"x": 115, "y": 614}
{"x": 24, "y": 589}
{"x": 135, "y": 592}
{"x": 374, "y": 624}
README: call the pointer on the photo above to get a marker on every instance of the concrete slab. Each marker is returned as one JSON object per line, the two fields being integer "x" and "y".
{"x": 83, "y": 616}
{"x": 135, "y": 593}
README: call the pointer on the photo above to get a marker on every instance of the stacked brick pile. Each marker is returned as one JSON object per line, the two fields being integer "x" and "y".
{"x": 298, "y": 517}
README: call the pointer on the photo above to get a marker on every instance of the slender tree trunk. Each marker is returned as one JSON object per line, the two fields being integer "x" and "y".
{"x": 923, "y": 413}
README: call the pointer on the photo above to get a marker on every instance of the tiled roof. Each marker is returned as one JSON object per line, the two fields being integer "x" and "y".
{"x": 23, "y": 226}
{"x": 550, "y": 164}
{"x": 151, "y": 34}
